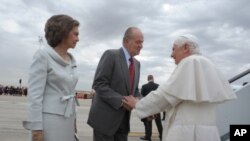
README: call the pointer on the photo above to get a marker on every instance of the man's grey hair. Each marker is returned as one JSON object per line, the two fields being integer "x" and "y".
{"x": 129, "y": 33}
{"x": 191, "y": 41}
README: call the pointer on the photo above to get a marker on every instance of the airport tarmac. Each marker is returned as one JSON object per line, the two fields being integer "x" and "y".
{"x": 13, "y": 112}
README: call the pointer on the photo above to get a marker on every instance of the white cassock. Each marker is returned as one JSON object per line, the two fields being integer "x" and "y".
{"x": 189, "y": 97}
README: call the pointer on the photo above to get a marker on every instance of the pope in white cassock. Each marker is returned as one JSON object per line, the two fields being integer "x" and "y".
{"x": 189, "y": 97}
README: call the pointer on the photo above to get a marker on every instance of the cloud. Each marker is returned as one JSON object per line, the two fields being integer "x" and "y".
{"x": 222, "y": 28}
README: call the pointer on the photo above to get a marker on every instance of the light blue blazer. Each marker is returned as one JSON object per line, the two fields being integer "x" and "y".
{"x": 51, "y": 87}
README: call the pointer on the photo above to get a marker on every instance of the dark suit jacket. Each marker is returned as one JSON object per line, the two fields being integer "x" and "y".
{"x": 147, "y": 88}
{"x": 111, "y": 83}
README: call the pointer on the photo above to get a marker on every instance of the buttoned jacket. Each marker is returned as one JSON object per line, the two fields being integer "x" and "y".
{"x": 111, "y": 83}
{"x": 51, "y": 87}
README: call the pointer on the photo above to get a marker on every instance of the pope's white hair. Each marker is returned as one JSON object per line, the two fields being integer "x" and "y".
{"x": 191, "y": 40}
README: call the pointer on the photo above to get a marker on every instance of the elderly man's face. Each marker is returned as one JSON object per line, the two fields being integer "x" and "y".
{"x": 135, "y": 44}
{"x": 178, "y": 53}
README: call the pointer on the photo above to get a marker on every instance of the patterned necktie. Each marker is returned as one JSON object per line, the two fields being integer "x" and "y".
{"x": 131, "y": 74}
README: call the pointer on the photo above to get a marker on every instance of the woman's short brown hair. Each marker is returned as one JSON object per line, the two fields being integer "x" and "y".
{"x": 58, "y": 27}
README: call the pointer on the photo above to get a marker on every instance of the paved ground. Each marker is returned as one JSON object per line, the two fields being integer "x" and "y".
{"x": 13, "y": 112}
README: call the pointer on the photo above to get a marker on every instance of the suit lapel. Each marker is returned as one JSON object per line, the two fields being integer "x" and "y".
{"x": 136, "y": 78}
{"x": 124, "y": 67}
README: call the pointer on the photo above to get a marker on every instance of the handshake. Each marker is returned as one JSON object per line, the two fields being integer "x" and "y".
{"x": 129, "y": 102}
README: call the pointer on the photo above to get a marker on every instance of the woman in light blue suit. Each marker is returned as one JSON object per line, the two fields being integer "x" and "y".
{"x": 52, "y": 81}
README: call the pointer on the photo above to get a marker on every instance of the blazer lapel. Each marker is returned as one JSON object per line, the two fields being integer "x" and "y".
{"x": 52, "y": 53}
{"x": 124, "y": 68}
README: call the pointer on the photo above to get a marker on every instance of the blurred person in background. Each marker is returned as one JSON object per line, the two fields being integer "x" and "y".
{"x": 145, "y": 90}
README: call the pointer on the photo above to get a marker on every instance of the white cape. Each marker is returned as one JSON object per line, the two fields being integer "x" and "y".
{"x": 190, "y": 98}
{"x": 197, "y": 79}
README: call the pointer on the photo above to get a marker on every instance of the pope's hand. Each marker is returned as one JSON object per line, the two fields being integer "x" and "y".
{"x": 150, "y": 118}
{"x": 127, "y": 107}
{"x": 37, "y": 135}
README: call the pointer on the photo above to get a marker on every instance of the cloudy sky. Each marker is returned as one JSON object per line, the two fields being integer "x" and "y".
{"x": 222, "y": 27}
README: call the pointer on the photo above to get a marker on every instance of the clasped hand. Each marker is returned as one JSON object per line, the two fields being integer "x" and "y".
{"x": 129, "y": 102}
{"x": 37, "y": 135}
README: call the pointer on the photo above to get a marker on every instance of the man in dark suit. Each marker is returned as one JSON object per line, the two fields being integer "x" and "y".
{"x": 146, "y": 89}
{"x": 116, "y": 76}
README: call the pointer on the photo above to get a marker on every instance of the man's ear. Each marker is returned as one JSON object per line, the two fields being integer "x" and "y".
{"x": 186, "y": 48}
{"x": 126, "y": 40}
